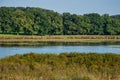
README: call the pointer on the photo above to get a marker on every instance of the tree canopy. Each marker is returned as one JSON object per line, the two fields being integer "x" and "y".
{"x": 38, "y": 21}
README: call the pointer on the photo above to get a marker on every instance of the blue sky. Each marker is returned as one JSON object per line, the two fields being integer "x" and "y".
{"x": 111, "y": 7}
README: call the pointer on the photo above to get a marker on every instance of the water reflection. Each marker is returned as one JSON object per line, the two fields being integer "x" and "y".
{"x": 38, "y": 44}
{"x": 6, "y": 51}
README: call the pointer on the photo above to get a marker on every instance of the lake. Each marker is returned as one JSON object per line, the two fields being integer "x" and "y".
{"x": 7, "y": 51}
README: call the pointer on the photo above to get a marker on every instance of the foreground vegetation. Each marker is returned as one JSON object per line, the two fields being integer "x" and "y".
{"x": 37, "y": 21}
{"x": 64, "y": 66}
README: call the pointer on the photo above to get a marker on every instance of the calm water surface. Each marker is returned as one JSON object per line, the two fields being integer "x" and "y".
{"x": 7, "y": 51}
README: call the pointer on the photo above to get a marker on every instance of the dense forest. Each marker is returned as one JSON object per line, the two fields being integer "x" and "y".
{"x": 37, "y": 21}
{"x": 64, "y": 66}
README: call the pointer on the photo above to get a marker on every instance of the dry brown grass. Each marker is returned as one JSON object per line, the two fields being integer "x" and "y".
{"x": 61, "y": 38}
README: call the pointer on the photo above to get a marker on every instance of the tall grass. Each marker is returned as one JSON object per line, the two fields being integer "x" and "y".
{"x": 60, "y": 38}
{"x": 65, "y": 66}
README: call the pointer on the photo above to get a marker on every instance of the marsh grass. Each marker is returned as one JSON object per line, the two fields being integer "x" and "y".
{"x": 22, "y": 40}
{"x": 65, "y": 66}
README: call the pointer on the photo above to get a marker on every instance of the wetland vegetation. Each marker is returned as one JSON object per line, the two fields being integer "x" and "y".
{"x": 22, "y": 40}
{"x": 29, "y": 26}
{"x": 64, "y": 66}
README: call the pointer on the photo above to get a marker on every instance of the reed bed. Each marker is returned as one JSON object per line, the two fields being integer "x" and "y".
{"x": 60, "y": 38}
{"x": 65, "y": 66}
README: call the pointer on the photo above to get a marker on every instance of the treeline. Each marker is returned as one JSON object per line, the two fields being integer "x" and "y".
{"x": 37, "y": 21}
{"x": 65, "y": 66}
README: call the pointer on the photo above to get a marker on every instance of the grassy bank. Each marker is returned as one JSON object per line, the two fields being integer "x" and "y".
{"x": 65, "y": 66}
{"x": 6, "y": 39}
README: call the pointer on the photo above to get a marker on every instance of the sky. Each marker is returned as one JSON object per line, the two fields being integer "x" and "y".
{"x": 111, "y": 7}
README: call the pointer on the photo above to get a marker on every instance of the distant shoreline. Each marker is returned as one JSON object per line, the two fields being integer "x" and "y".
{"x": 23, "y": 39}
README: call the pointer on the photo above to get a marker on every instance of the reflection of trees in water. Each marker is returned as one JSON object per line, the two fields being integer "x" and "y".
{"x": 115, "y": 46}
